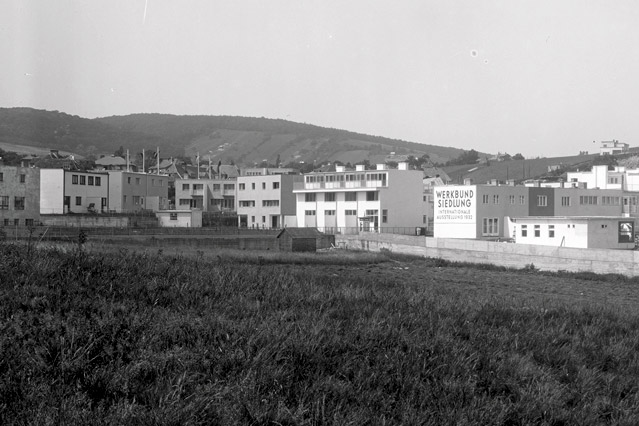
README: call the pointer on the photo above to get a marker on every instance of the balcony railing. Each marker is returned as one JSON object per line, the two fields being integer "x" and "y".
{"x": 359, "y": 184}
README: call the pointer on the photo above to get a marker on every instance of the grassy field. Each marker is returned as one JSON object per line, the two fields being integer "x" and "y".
{"x": 132, "y": 337}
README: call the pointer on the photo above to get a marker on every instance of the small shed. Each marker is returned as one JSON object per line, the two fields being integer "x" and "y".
{"x": 303, "y": 239}
{"x": 180, "y": 218}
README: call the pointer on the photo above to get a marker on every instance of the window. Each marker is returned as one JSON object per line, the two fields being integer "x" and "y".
{"x": 136, "y": 200}
{"x": 329, "y": 196}
{"x": 537, "y": 230}
{"x": 490, "y": 226}
{"x": 18, "y": 203}
{"x": 524, "y": 230}
{"x": 551, "y": 231}
{"x": 270, "y": 203}
{"x": 309, "y": 197}
{"x": 128, "y": 180}
{"x": 542, "y": 200}
{"x": 229, "y": 186}
{"x": 185, "y": 187}
{"x": 263, "y": 219}
{"x": 185, "y": 202}
{"x": 247, "y": 203}
{"x": 511, "y": 199}
{"x": 350, "y": 196}
{"x": 1, "y": 177}
{"x": 588, "y": 200}
{"x": 172, "y": 216}
{"x": 78, "y": 201}
{"x": 198, "y": 186}
{"x": 565, "y": 201}
{"x": 253, "y": 185}
{"x": 28, "y": 222}
{"x": 424, "y": 218}
{"x": 276, "y": 185}
{"x": 372, "y": 196}
{"x": 522, "y": 199}
{"x": 372, "y": 212}
{"x": 83, "y": 180}
{"x": 6, "y": 222}
{"x": 4, "y": 202}
{"x": 263, "y": 185}
{"x": 23, "y": 178}
{"x": 495, "y": 199}
{"x": 350, "y": 212}
{"x": 98, "y": 181}
{"x": 74, "y": 179}
{"x": 309, "y": 212}
{"x": 329, "y": 212}
{"x": 384, "y": 216}
{"x": 242, "y": 186}
{"x": 610, "y": 201}
{"x": 484, "y": 199}
{"x": 137, "y": 181}
{"x": 16, "y": 222}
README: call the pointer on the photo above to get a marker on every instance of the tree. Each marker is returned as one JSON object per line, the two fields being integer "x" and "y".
{"x": 518, "y": 156}
{"x": 467, "y": 157}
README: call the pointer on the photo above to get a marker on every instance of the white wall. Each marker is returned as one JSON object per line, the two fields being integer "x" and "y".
{"x": 51, "y": 191}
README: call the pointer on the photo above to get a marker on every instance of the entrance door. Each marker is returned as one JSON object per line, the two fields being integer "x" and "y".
{"x": 275, "y": 222}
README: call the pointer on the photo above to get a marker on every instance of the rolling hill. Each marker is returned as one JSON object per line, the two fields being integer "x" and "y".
{"x": 242, "y": 140}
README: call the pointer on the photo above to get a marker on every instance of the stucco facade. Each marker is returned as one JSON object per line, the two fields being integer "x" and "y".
{"x": 131, "y": 192}
{"x": 209, "y": 195}
{"x": 266, "y": 201}
{"x": 19, "y": 196}
{"x": 64, "y": 191}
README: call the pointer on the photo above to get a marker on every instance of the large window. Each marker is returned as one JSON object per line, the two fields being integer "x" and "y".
{"x": 385, "y": 216}
{"x": 537, "y": 230}
{"x": 98, "y": 181}
{"x": 78, "y": 201}
{"x": 90, "y": 180}
{"x": 511, "y": 199}
{"x": 495, "y": 199}
{"x": 4, "y": 202}
{"x": 270, "y": 203}
{"x": 74, "y": 179}
{"x": 350, "y": 212}
{"x": 18, "y": 203}
{"x": 542, "y": 200}
{"x": 329, "y": 196}
{"x": 565, "y": 201}
{"x": 329, "y": 212}
{"x": 490, "y": 226}
{"x": 484, "y": 199}
{"x": 524, "y": 230}
{"x": 372, "y": 196}
{"x": 588, "y": 200}
{"x": 185, "y": 187}
{"x": 276, "y": 185}
{"x": 309, "y": 212}
{"x": 350, "y": 196}
{"x": 247, "y": 203}
{"x": 309, "y": 197}
{"x": 83, "y": 180}
{"x": 230, "y": 186}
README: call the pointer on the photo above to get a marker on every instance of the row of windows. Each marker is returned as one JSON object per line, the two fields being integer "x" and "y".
{"x": 242, "y": 186}
{"x": 348, "y": 177}
{"x": 511, "y": 199}
{"x": 537, "y": 231}
{"x": 18, "y": 202}
{"x": 87, "y": 180}
{"x": 16, "y": 222}
{"x": 23, "y": 177}
{"x": 311, "y": 197}
{"x": 216, "y": 186}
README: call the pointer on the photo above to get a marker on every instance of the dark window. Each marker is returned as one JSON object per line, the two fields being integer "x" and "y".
{"x": 23, "y": 178}
{"x": 90, "y": 180}
{"x": 18, "y": 203}
{"x": 74, "y": 179}
{"x": 83, "y": 180}
{"x": 372, "y": 196}
{"x": 329, "y": 196}
{"x": 309, "y": 197}
{"x": 98, "y": 181}
{"x": 350, "y": 196}
{"x": 78, "y": 201}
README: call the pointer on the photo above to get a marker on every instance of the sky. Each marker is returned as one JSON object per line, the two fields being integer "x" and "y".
{"x": 541, "y": 78}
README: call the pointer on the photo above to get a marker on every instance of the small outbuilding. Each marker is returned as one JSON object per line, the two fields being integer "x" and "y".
{"x": 180, "y": 218}
{"x": 580, "y": 232}
{"x": 303, "y": 239}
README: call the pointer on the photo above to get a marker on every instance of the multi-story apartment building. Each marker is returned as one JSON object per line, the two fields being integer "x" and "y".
{"x": 64, "y": 191}
{"x": 19, "y": 196}
{"x": 266, "y": 201}
{"x": 622, "y": 178}
{"x": 208, "y": 195}
{"x": 132, "y": 192}
{"x": 362, "y": 200}
{"x": 483, "y": 211}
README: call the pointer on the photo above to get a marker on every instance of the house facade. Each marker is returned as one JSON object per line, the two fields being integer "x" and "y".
{"x": 266, "y": 201}
{"x": 360, "y": 200}
{"x": 132, "y": 192}
{"x": 19, "y": 196}
{"x": 209, "y": 195}
{"x": 64, "y": 191}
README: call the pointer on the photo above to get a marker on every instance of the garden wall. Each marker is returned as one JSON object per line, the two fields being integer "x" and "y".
{"x": 512, "y": 255}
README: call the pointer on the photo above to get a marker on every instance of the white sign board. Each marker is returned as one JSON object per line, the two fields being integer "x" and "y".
{"x": 455, "y": 211}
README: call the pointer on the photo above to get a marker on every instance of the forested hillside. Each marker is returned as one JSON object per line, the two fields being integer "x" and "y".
{"x": 241, "y": 140}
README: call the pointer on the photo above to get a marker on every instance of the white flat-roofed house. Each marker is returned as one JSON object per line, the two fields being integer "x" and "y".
{"x": 577, "y": 232}
{"x": 131, "y": 192}
{"x": 613, "y": 147}
{"x": 64, "y": 191}
{"x": 266, "y": 201}
{"x": 351, "y": 201}
{"x": 209, "y": 195}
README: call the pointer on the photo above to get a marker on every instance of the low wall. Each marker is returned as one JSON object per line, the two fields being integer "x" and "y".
{"x": 512, "y": 255}
{"x": 82, "y": 221}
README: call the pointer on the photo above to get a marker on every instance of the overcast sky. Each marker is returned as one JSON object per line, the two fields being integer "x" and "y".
{"x": 543, "y": 78}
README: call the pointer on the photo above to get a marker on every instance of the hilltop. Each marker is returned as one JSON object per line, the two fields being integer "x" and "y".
{"x": 241, "y": 140}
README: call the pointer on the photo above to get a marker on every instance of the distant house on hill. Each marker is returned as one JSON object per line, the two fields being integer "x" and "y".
{"x": 613, "y": 147}
{"x": 112, "y": 162}
{"x": 436, "y": 172}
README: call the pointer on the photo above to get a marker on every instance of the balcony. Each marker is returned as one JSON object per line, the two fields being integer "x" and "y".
{"x": 358, "y": 184}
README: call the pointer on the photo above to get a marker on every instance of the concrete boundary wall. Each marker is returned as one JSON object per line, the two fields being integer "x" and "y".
{"x": 512, "y": 255}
